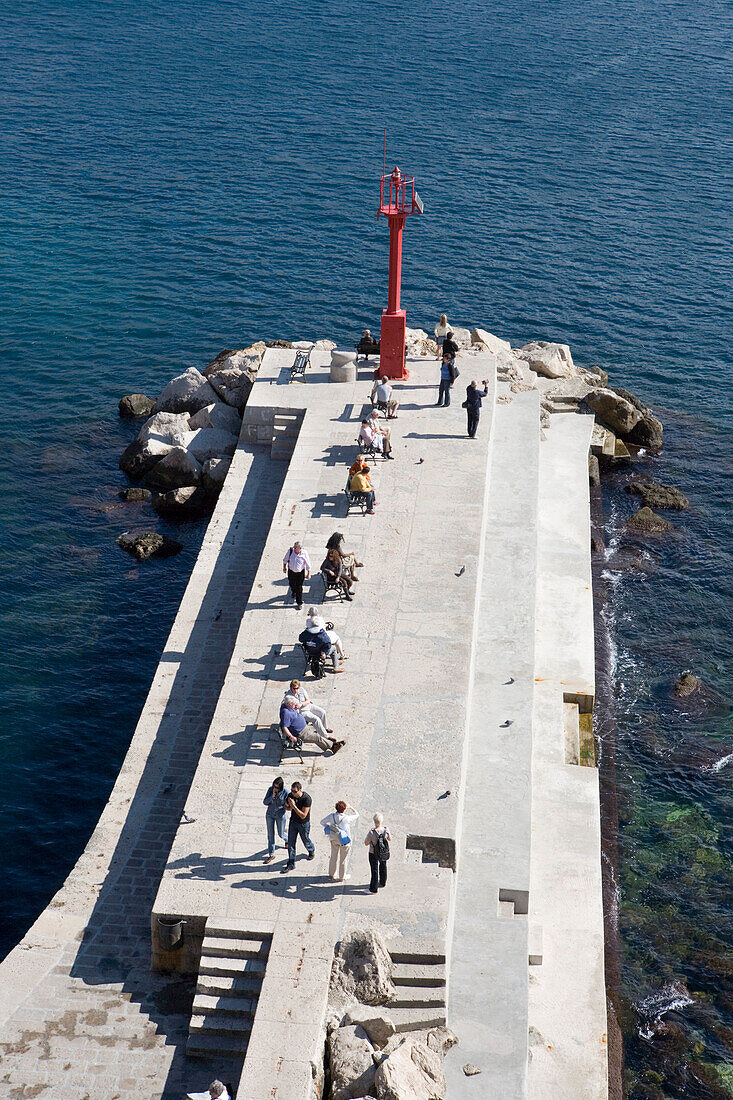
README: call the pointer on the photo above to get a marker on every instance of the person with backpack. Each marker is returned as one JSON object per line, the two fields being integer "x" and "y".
{"x": 297, "y": 565}
{"x": 377, "y": 840}
{"x": 338, "y": 827}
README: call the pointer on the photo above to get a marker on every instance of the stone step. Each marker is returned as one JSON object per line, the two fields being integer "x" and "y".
{"x": 219, "y": 966}
{"x": 217, "y": 1023}
{"x": 224, "y": 928}
{"x": 410, "y": 974}
{"x": 415, "y": 1019}
{"x": 418, "y": 951}
{"x": 419, "y": 997}
{"x": 206, "y": 1005}
{"x": 227, "y": 985}
{"x": 217, "y": 1046}
{"x": 228, "y": 947}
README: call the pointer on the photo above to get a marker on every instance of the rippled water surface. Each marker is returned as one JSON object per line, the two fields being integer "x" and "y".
{"x": 181, "y": 177}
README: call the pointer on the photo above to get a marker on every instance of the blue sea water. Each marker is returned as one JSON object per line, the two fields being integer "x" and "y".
{"x": 178, "y": 178}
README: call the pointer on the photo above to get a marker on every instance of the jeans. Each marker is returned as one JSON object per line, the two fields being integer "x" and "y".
{"x": 370, "y": 499}
{"x": 379, "y": 872}
{"x": 273, "y": 823}
{"x": 473, "y": 415}
{"x": 298, "y": 828}
{"x": 444, "y": 392}
{"x": 295, "y": 580}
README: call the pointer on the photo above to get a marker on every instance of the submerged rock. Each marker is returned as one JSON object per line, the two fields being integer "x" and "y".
{"x": 656, "y": 495}
{"x": 187, "y": 392}
{"x": 148, "y": 544}
{"x": 615, "y": 411}
{"x": 646, "y": 522}
{"x": 136, "y": 404}
{"x": 185, "y": 503}
{"x": 135, "y": 493}
{"x": 687, "y": 683}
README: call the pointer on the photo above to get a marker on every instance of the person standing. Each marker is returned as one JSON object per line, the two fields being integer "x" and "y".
{"x": 339, "y": 825}
{"x": 299, "y": 803}
{"x": 297, "y": 565}
{"x": 275, "y": 814}
{"x": 472, "y": 405}
{"x": 377, "y": 840}
{"x": 441, "y": 331}
{"x": 447, "y": 377}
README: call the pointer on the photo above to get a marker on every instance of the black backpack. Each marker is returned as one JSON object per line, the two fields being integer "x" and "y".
{"x": 381, "y": 848}
{"x": 317, "y": 666}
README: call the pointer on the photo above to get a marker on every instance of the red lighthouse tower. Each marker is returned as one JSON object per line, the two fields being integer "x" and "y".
{"x": 398, "y": 200}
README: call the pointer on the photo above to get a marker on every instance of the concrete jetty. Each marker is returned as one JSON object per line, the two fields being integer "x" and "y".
{"x": 466, "y": 705}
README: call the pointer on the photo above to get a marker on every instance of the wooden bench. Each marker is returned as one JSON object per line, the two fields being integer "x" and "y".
{"x": 366, "y": 348}
{"x": 302, "y": 360}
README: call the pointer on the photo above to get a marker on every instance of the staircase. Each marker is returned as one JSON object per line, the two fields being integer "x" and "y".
{"x": 285, "y": 429}
{"x": 231, "y": 970}
{"x": 419, "y": 975}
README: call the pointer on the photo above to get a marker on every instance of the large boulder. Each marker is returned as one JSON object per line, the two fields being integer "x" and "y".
{"x": 656, "y": 495}
{"x": 220, "y": 416}
{"x": 214, "y": 474}
{"x": 352, "y": 1063}
{"x": 615, "y": 411}
{"x": 486, "y": 340}
{"x": 547, "y": 358}
{"x": 176, "y": 469}
{"x": 232, "y": 374}
{"x": 168, "y": 427}
{"x": 648, "y": 432}
{"x": 646, "y": 522}
{"x": 142, "y": 455}
{"x": 362, "y": 969}
{"x": 136, "y": 404}
{"x": 325, "y": 345}
{"x": 211, "y": 443}
{"x": 417, "y": 342}
{"x": 187, "y": 392}
{"x": 186, "y": 503}
{"x": 378, "y": 1025}
{"x": 687, "y": 683}
{"x": 411, "y": 1072}
{"x": 148, "y": 544}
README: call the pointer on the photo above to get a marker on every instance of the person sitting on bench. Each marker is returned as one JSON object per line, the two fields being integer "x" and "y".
{"x": 295, "y": 727}
{"x": 383, "y": 394}
{"x": 360, "y": 482}
{"x": 373, "y": 436}
{"x": 348, "y": 558}
{"x": 368, "y": 345}
{"x": 318, "y": 644}
{"x": 314, "y": 619}
{"x": 333, "y": 568}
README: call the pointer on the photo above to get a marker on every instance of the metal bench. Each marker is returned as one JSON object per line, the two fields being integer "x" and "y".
{"x": 381, "y": 407}
{"x": 302, "y": 360}
{"x": 286, "y": 745}
{"x": 307, "y": 659}
{"x": 368, "y": 449}
{"x": 356, "y": 499}
{"x": 331, "y": 585}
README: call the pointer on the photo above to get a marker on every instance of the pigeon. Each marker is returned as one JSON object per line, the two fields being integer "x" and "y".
{"x": 461, "y": 571}
{"x": 509, "y": 681}
{"x": 505, "y": 725}
{"x": 419, "y": 461}
{"x": 186, "y": 819}
{"x": 217, "y": 616}
{"x": 444, "y": 795}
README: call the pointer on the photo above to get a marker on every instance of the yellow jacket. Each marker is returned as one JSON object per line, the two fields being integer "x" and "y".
{"x": 360, "y": 483}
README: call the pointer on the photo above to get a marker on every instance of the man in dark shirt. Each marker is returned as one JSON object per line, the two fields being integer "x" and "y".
{"x": 299, "y": 804}
{"x": 296, "y": 727}
{"x": 473, "y": 405}
{"x": 450, "y": 347}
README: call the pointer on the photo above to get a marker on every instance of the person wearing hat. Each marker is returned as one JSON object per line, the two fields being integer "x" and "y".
{"x": 317, "y": 642}
{"x": 313, "y": 619}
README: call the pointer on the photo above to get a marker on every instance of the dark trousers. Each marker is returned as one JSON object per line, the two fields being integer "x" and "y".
{"x": 444, "y": 392}
{"x": 473, "y": 415}
{"x": 295, "y": 580}
{"x": 302, "y": 829}
{"x": 379, "y": 872}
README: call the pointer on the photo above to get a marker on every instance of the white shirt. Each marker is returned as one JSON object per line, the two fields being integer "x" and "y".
{"x": 366, "y": 433}
{"x": 338, "y": 821}
{"x": 206, "y": 1095}
{"x": 297, "y": 562}
{"x": 384, "y": 392}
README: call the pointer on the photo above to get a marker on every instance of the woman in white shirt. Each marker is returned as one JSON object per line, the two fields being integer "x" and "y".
{"x": 441, "y": 331}
{"x": 339, "y": 824}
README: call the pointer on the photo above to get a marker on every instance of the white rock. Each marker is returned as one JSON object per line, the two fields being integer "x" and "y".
{"x": 187, "y": 392}
{"x": 410, "y": 1072}
{"x": 232, "y": 373}
{"x": 492, "y": 343}
{"x": 362, "y": 968}
{"x": 214, "y": 473}
{"x": 325, "y": 345}
{"x": 166, "y": 427}
{"x": 211, "y": 443}
{"x": 352, "y": 1064}
{"x": 218, "y": 415}
{"x": 417, "y": 342}
{"x": 142, "y": 455}
{"x": 303, "y": 345}
{"x": 378, "y": 1025}
{"x": 175, "y": 469}
{"x": 551, "y": 360}
{"x": 462, "y": 337}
